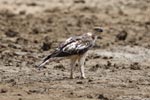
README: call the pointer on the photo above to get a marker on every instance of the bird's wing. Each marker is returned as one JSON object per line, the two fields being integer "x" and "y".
{"x": 68, "y": 41}
{"x": 72, "y": 46}
{"x": 61, "y": 46}
{"x": 78, "y": 46}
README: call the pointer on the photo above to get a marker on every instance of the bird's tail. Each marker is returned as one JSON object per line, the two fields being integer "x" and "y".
{"x": 54, "y": 54}
{"x": 44, "y": 61}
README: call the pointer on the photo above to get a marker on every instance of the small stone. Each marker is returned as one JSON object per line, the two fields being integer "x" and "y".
{"x": 32, "y": 4}
{"x": 3, "y": 90}
{"x": 11, "y": 33}
{"x": 79, "y": 1}
{"x": 59, "y": 67}
{"x": 46, "y": 46}
{"x": 135, "y": 66}
{"x": 71, "y": 93}
{"x": 108, "y": 63}
{"x": 122, "y": 35}
{"x": 105, "y": 57}
{"x": 89, "y": 96}
{"x": 19, "y": 94}
{"x": 23, "y": 12}
{"x": 20, "y": 99}
{"x": 102, "y": 97}
{"x": 35, "y": 31}
{"x": 95, "y": 67}
{"x": 79, "y": 82}
{"x": 96, "y": 56}
{"x": 90, "y": 80}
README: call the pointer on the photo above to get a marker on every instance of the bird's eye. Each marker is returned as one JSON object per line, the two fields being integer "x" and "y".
{"x": 93, "y": 36}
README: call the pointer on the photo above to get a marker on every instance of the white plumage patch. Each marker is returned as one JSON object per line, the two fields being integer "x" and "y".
{"x": 70, "y": 47}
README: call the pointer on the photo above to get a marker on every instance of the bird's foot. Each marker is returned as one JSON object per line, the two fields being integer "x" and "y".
{"x": 71, "y": 77}
{"x": 83, "y": 77}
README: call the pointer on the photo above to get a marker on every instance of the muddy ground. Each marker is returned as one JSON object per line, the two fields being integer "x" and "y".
{"x": 117, "y": 68}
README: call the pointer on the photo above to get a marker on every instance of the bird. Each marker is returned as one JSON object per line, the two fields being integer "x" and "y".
{"x": 75, "y": 48}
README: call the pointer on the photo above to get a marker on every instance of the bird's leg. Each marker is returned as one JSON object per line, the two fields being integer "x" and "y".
{"x": 81, "y": 63}
{"x": 72, "y": 65}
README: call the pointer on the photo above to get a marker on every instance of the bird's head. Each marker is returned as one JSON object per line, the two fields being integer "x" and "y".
{"x": 97, "y": 31}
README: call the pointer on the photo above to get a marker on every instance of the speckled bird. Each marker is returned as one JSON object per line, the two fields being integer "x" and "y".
{"x": 75, "y": 48}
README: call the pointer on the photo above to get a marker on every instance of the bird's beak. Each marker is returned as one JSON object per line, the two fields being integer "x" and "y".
{"x": 98, "y": 29}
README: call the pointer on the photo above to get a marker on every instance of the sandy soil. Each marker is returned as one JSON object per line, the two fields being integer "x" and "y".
{"x": 117, "y": 68}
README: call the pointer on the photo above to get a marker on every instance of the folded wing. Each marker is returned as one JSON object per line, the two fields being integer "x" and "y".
{"x": 72, "y": 46}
